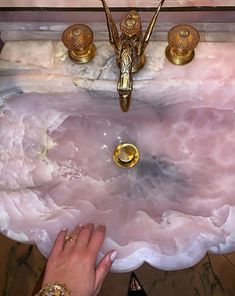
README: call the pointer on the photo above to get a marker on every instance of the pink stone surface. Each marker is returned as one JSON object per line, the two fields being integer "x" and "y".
{"x": 56, "y": 167}
{"x": 175, "y": 205}
{"x": 112, "y": 3}
{"x": 85, "y": 17}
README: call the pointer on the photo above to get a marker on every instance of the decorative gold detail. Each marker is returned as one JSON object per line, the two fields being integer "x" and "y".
{"x": 56, "y": 289}
{"x": 70, "y": 237}
{"x": 131, "y": 24}
{"x": 126, "y": 155}
{"x": 182, "y": 39}
{"x": 129, "y": 49}
{"x": 78, "y": 39}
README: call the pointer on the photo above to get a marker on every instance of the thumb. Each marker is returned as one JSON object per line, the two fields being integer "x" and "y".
{"x": 103, "y": 269}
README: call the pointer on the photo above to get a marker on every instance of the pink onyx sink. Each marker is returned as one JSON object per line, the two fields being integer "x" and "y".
{"x": 177, "y": 203}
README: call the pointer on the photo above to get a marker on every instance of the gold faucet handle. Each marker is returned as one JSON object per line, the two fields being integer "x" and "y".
{"x": 182, "y": 39}
{"x": 78, "y": 39}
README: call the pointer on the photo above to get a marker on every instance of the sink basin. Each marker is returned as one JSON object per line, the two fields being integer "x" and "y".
{"x": 57, "y": 165}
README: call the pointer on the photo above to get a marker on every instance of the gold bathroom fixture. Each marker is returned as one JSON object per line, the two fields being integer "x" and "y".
{"x": 129, "y": 49}
{"x": 182, "y": 39}
{"x": 126, "y": 155}
{"x": 78, "y": 39}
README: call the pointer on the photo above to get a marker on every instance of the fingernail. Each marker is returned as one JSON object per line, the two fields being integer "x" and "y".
{"x": 102, "y": 226}
{"x": 89, "y": 224}
{"x": 113, "y": 256}
{"x": 81, "y": 225}
{"x": 65, "y": 229}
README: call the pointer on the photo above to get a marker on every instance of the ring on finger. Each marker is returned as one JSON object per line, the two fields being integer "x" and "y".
{"x": 70, "y": 237}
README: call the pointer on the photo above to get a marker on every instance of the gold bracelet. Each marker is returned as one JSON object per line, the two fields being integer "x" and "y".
{"x": 55, "y": 289}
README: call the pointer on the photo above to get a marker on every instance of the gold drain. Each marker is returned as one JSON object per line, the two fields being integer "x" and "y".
{"x": 126, "y": 155}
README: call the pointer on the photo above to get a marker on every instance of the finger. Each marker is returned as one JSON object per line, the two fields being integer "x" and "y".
{"x": 97, "y": 240}
{"x": 59, "y": 243}
{"x": 70, "y": 243}
{"x": 85, "y": 236}
{"x": 103, "y": 269}
{"x": 78, "y": 230}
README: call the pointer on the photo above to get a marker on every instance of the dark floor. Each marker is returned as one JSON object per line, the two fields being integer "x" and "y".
{"x": 21, "y": 266}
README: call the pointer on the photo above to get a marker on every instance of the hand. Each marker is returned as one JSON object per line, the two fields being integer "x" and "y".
{"x": 73, "y": 261}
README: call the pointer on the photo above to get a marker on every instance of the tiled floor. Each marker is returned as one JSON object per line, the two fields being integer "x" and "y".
{"x": 21, "y": 266}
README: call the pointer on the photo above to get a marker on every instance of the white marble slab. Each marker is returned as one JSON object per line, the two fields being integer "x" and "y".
{"x": 30, "y": 51}
{"x": 44, "y": 66}
{"x": 214, "y": 32}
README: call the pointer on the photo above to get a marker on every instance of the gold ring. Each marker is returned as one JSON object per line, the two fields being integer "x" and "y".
{"x": 70, "y": 237}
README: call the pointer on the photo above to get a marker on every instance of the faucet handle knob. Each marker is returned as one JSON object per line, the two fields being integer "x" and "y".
{"x": 182, "y": 39}
{"x": 78, "y": 39}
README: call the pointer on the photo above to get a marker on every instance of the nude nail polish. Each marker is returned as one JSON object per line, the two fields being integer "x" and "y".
{"x": 113, "y": 256}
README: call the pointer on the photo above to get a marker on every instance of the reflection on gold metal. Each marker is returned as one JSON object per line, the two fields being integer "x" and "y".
{"x": 78, "y": 39}
{"x": 126, "y": 155}
{"x": 70, "y": 238}
{"x": 129, "y": 48}
{"x": 125, "y": 100}
{"x": 182, "y": 39}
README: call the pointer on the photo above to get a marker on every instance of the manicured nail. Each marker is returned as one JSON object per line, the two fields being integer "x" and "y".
{"x": 113, "y": 256}
{"x": 102, "y": 226}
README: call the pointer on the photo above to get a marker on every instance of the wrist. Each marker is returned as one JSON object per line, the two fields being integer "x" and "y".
{"x": 55, "y": 289}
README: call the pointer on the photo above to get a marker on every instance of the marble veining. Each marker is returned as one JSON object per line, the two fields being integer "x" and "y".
{"x": 180, "y": 194}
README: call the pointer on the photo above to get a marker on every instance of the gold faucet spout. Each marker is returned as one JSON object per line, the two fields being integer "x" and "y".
{"x": 125, "y": 83}
{"x": 129, "y": 48}
{"x": 125, "y": 101}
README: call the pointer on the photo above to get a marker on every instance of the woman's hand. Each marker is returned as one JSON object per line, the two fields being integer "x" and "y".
{"x": 73, "y": 261}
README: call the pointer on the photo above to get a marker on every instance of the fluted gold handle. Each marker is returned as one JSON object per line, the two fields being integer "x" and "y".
{"x": 182, "y": 39}
{"x": 78, "y": 39}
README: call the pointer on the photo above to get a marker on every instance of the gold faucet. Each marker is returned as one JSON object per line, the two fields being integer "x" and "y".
{"x": 129, "y": 49}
